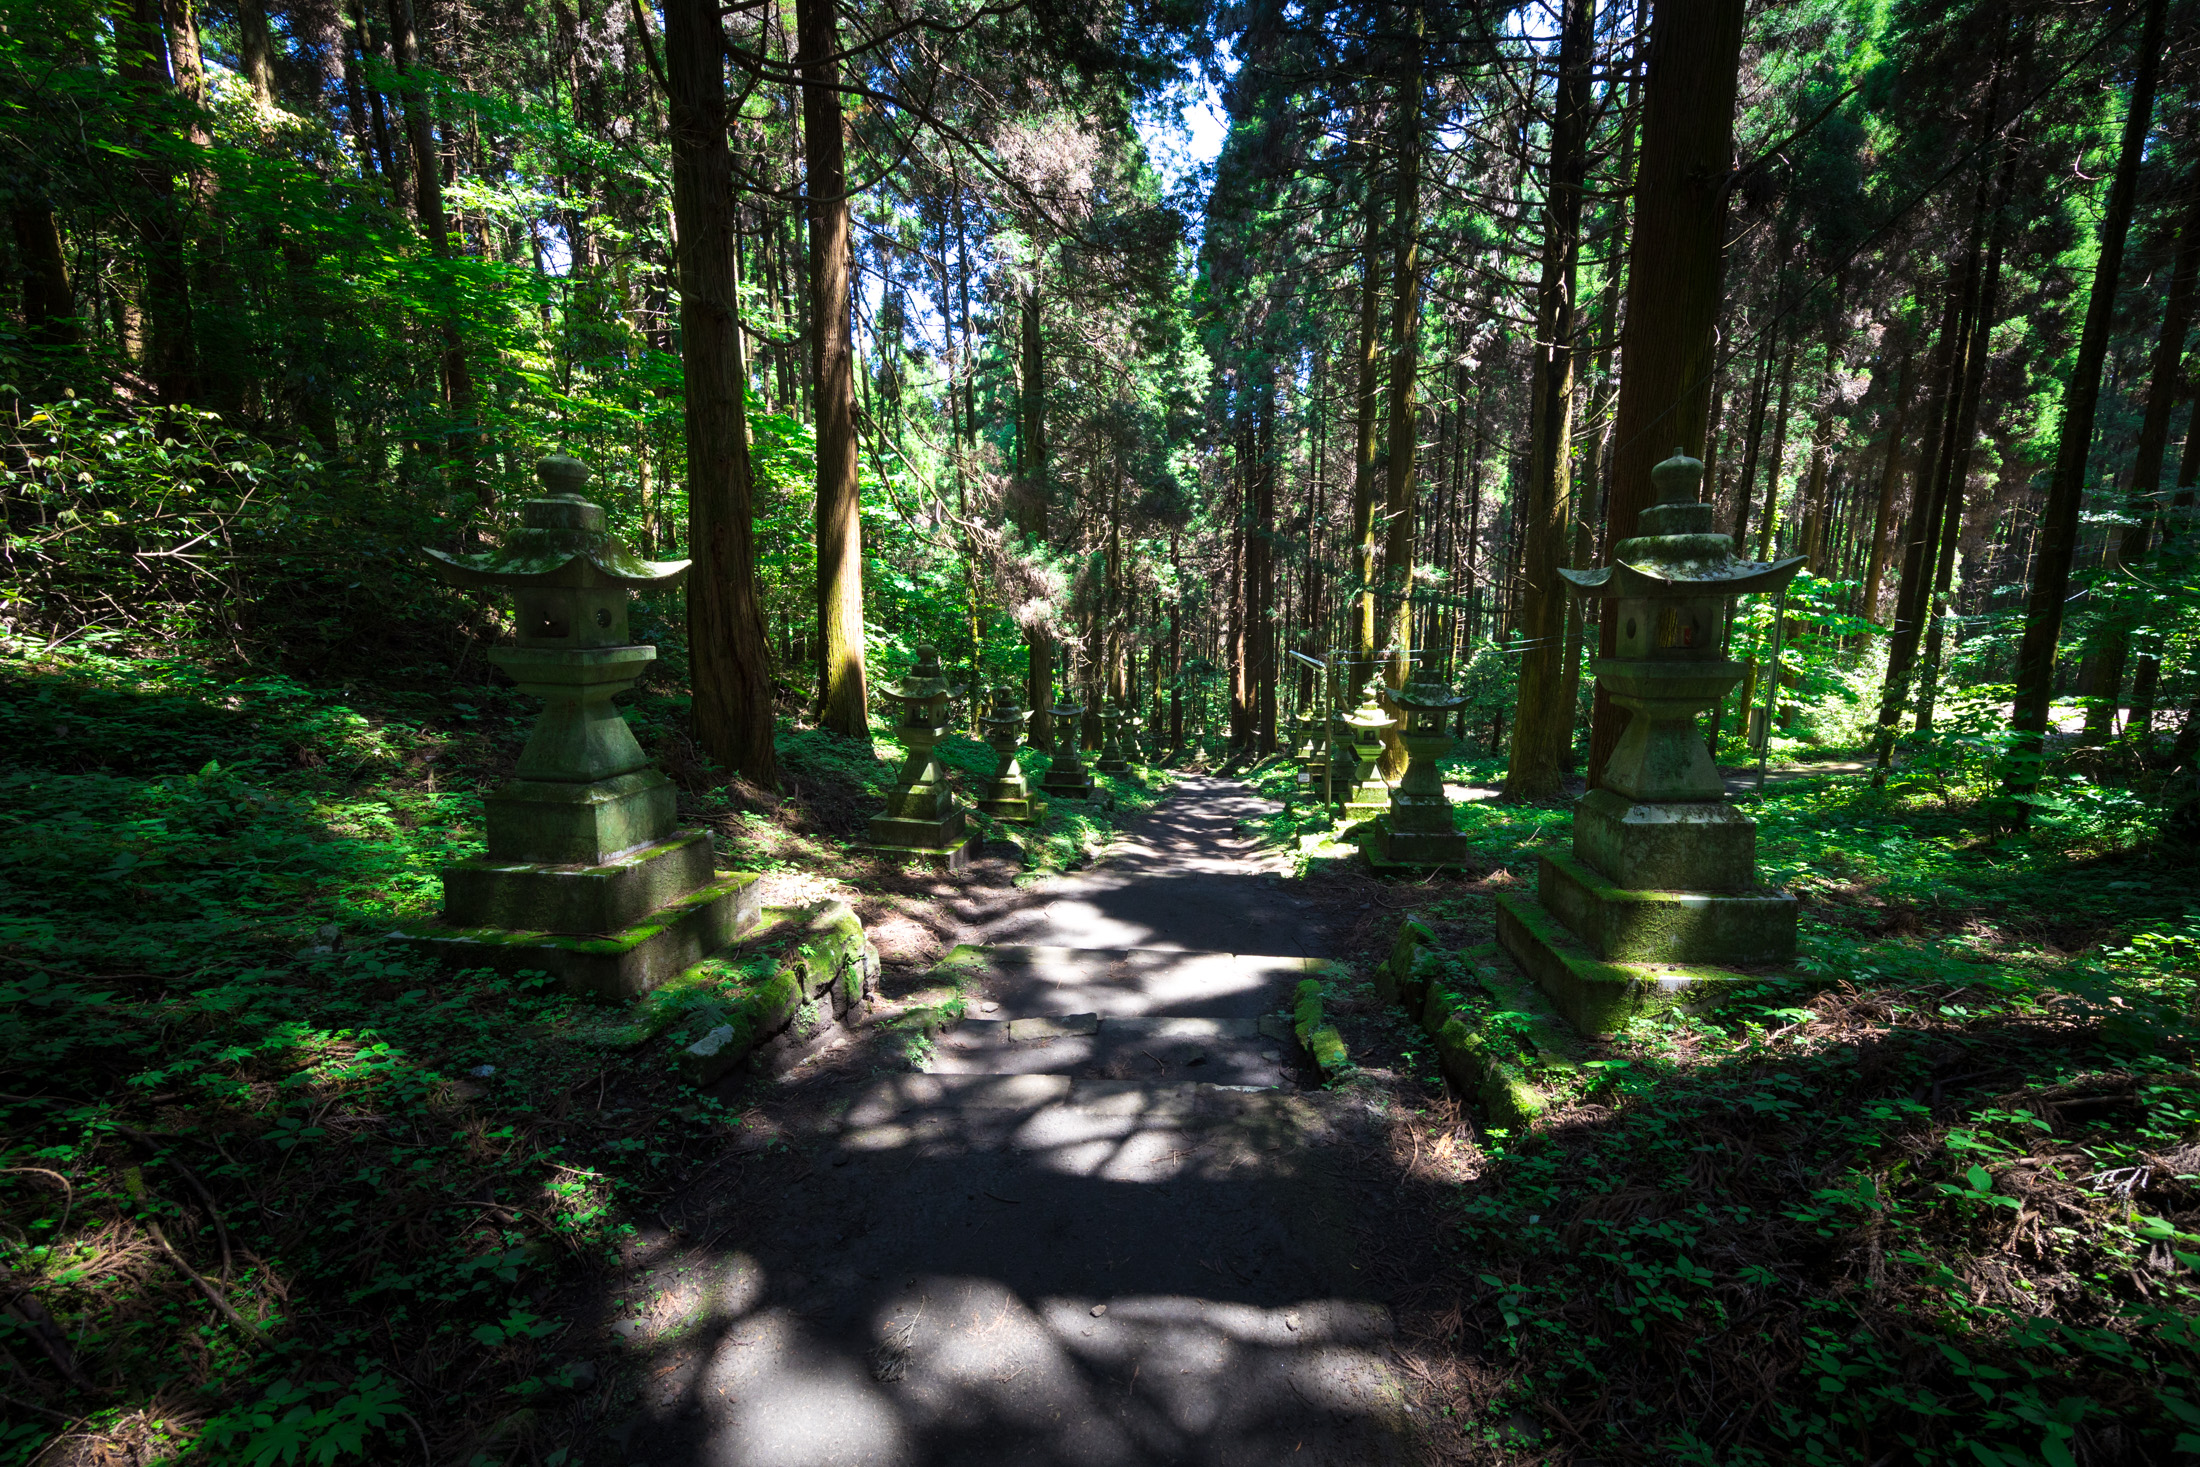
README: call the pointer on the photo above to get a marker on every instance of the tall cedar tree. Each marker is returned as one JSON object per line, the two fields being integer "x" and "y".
{"x": 727, "y": 650}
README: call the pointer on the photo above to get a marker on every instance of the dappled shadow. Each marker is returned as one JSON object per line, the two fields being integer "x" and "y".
{"x": 923, "y": 1289}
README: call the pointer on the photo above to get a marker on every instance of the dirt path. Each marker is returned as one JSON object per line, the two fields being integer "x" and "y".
{"x": 1063, "y": 1242}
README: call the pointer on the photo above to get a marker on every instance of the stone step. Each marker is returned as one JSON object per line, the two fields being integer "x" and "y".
{"x": 1178, "y": 1048}
{"x": 1130, "y": 982}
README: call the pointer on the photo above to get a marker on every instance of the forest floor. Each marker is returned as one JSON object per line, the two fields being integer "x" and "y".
{"x": 275, "y": 1187}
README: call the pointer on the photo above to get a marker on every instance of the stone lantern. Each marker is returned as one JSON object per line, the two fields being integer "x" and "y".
{"x": 1066, "y": 776}
{"x": 1008, "y": 797}
{"x": 1418, "y": 830}
{"x": 585, "y": 876}
{"x": 1663, "y": 870}
{"x": 922, "y": 818}
{"x": 1370, "y": 795}
{"x": 1111, "y": 740}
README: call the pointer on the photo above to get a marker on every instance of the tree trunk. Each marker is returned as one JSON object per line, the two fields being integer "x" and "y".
{"x": 1544, "y": 727}
{"x": 1364, "y": 419}
{"x": 728, "y": 653}
{"x": 256, "y": 50}
{"x": 2143, "y": 498}
{"x": 427, "y": 164}
{"x": 842, "y": 700}
{"x": 2143, "y": 681}
{"x": 1921, "y": 544}
{"x": 1889, "y": 475}
{"x": 141, "y": 53}
{"x": 49, "y": 300}
{"x": 1674, "y": 266}
{"x": 1405, "y": 366}
{"x": 1031, "y": 505}
{"x": 1261, "y": 564}
{"x": 2058, "y": 523}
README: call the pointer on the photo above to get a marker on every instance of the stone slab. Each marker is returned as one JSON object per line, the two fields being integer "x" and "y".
{"x": 525, "y": 896}
{"x": 1019, "y": 811}
{"x": 1059, "y": 1027}
{"x": 950, "y": 858}
{"x": 620, "y": 965}
{"x": 1595, "y": 996}
{"x": 554, "y": 823}
{"x": 1408, "y": 850}
{"x": 1690, "y": 845}
{"x": 1637, "y": 926}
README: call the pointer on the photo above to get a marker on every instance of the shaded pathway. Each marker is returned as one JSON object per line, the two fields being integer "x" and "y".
{"x": 1066, "y": 1243}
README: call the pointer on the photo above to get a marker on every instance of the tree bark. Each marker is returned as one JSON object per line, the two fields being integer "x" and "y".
{"x": 1890, "y": 475}
{"x": 171, "y": 358}
{"x": 728, "y": 652}
{"x": 256, "y": 50}
{"x": 2058, "y": 523}
{"x": 1405, "y": 366}
{"x": 1544, "y": 727}
{"x": 842, "y": 698}
{"x": 2143, "y": 497}
{"x": 49, "y": 300}
{"x": 2174, "y": 526}
{"x": 1261, "y": 559}
{"x": 427, "y": 165}
{"x": 1674, "y": 267}
{"x": 1365, "y": 404}
{"x": 1031, "y": 506}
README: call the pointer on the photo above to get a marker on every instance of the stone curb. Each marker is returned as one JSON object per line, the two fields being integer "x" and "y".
{"x": 1413, "y": 978}
{"x": 826, "y": 979}
{"x": 1315, "y": 1033}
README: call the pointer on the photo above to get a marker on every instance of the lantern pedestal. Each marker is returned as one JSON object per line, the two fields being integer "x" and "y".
{"x": 1065, "y": 777}
{"x": 1660, "y": 888}
{"x": 1369, "y": 795}
{"x": 585, "y": 877}
{"x": 922, "y": 820}
{"x": 1417, "y": 832}
{"x": 1111, "y": 743}
{"x": 1007, "y": 796}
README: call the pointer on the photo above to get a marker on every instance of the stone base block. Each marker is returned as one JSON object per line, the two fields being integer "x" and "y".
{"x": 1595, "y": 996}
{"x": 1114, "y": 766}
{"x": 555, "y": 824}
{"x": 485, "y": 892}
{"x": 618, "y": 965}
{"x": 928, "y": 835}
{"x": 1694, "y": 845}
{"x": 1666, "y": 926}
{"x": 1079, "y": 789}
{"x": 1388, "y": 849}
{"x": 1364, "y": 800}
{"x": 1017, "y": 809}
{"x": 954, "y": 856}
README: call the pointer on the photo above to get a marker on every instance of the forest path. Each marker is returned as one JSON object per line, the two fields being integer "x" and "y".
{"x": 1064, "y": 1242}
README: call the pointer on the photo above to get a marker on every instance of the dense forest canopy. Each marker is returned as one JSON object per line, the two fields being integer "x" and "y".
{"x": 1351, "y": 387}
{"x": 930, "y": 323}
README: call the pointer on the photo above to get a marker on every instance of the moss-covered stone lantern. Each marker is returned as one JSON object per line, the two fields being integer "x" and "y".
{"x": 1370, "y": 793}
{"x": 585, "y": 876}
{"x": 1111, "y": 740}
{"x": 922, "y": 818}
{"x": 1663, "y": 872}
{"x": 1065, "y": 776}
{"x": 1008, "y": 797}
{"x": 1418, "y": 830}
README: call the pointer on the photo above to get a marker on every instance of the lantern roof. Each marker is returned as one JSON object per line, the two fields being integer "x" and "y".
{"x": 561, "y": 541}
{"x": 1370, "y": 715}
{"x": 1679, "y": 553}
{"x": 925, "y": 680}
{"x": 1426, "y": 696}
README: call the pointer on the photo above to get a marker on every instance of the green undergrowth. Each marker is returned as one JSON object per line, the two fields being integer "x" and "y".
{"x": 1933, "y": 1196}
{"x": 1910, "y": 1221}
{"x": 272, "y": 1187}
